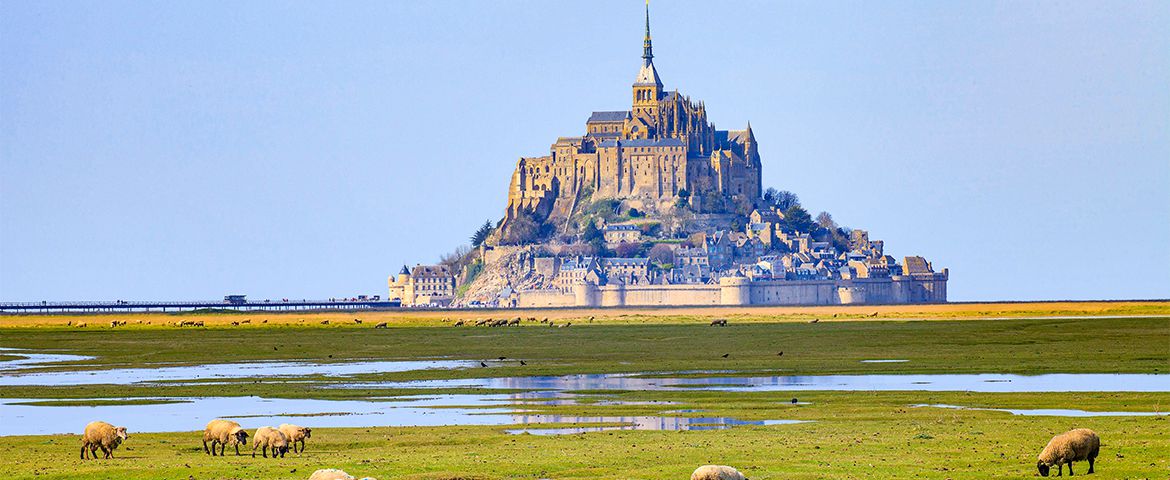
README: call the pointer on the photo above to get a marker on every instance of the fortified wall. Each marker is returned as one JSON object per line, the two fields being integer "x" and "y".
{"x": 931, "y": 288}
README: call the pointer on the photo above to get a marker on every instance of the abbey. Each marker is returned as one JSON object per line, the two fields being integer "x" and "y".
{"x": 660, "y": 151}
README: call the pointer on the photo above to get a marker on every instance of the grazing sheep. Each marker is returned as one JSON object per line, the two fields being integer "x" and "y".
{"x": 324, "y": 322}
{"x": 815, "y": 320}
{"x": 545, "y": 320}
{"x": 245, "y": 322}
{"x": 235, "y": 324}
{"x": 531, "y": 319}
{"x": 565, "y": 325}
{"x": 720, "y": 322}
{"x": 1072, "y": 446}
{"x": 223, "y": 432}
{"x": 335, "y": 474}
{"x": 480, "y": 323}
{"x": 330, "y": 474}
{"x": 269, "y": 438}
{"x": 459, "y": 323}
{"x": 104, "y": 436}
{"x": 717, "y": 472}
{"x": 380, "y": 325}
{"x": 500, "y": 323}
{"x": 357, "y": 321}
{"x": 295, "y": 433}
{"x": 515, "y": 321}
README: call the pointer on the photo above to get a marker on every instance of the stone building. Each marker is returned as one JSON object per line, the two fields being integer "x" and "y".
{"x": 423, "y": 285}
{"x": 646, "y": 156}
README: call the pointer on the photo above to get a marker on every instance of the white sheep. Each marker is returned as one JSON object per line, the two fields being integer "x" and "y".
{"x": 1071, "y": 446}
{"x": 334, "y": 474}
{"x": 269, "y": 438}
{"x": 223, "y": 432}
{"x": 104, "y": 436}
{"x": 717, "y": 472}
{"x": 295, "y": 433}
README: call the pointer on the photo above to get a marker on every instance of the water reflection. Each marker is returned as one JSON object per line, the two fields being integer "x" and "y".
{"x": 1058, "y": 382}
{"x": 124, "y": 376}
{"x": 188, "y": 414}
{"x": 1046, "y": 412}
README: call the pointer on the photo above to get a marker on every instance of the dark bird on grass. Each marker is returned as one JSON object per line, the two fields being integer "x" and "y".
{"x": 274, "y": 349}
{"x": 523, "y": 363}
{"x": 331, "y": 356}
{"x": 503, "y": 358}
{"x": 781, "y": 354}
{"x": 482, "y": 364}
{"x": 725, "y": 355}
{"x": 794, "y": 400}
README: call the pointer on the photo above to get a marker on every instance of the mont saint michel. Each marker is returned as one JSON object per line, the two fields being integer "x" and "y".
{"x": 655, "y": 205}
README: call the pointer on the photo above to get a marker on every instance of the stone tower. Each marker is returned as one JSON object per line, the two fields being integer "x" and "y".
{"x": 647, "y": 90}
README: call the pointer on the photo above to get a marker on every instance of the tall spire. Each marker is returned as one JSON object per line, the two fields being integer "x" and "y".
{"x": 647, "y": 50}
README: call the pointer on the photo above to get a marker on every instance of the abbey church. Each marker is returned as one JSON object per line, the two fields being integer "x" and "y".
{"x": 659, "y": 151}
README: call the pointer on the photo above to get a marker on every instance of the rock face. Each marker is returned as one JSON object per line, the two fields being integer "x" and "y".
{"x": 505, "y": 269}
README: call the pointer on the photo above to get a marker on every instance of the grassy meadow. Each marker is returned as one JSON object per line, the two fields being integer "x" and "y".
{"x": 847, "y": 434}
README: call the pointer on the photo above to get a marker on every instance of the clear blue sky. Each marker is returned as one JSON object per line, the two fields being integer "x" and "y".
{"x": 176, "y": 150}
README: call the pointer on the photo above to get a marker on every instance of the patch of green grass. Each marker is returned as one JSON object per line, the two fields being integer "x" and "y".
{"x": 851, "y": 435}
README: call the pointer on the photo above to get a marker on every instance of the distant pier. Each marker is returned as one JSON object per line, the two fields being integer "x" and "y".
{"x": 186, "y": 306}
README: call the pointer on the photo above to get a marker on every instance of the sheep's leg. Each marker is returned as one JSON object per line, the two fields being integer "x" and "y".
{"x": 93, "y": 452}
{"x": 205, "y": 450}
{"x": 1060, "y": 469}
{"x": 1091, "y": 463}
{"x": 264, "y": 450}
{"x": 83, "y": 451}
{"x": 223, "y": 447}
{"x": 254, "y": 450}
{"x": 106, "y": 452}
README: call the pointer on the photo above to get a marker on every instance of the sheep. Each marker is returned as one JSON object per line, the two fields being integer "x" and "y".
{"x": 1073, "y": 445}
{"x": 104, "y": 436}
{"x": 565, "y": 325}
{"x": 357, "y": 321}
{"x": 380, "y": 325}
{"x": 223, "y": 432}
{"x": 330, "y": 474}
{"x": 334, "y": 474}
{"x": 717, "y": 472}
{"x": 459, "y": 323}
{"x": 324, "y": 322}
{"x": 480, "y": 323}
{"x": 515, "y": 321}
{"x": 295, "y": 433}
{"x": 719, "y": 322}
{"x": 500, "y": 323}
{"x": 269, "y": 438}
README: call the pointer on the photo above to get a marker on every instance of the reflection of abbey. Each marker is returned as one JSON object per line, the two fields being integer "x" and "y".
{"x": 654, "y": 206}
{"x": 645, "y": 156}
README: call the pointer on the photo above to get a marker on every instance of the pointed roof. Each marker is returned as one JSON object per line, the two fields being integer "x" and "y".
{"x": 647, "y": 75}
{"x": 405, "y": 270}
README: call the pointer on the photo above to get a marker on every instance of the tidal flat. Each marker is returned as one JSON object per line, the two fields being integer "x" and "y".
{"x": 591, "y": 429}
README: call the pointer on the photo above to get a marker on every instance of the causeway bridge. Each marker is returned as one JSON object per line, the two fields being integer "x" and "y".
{"x": 341, "y": 304}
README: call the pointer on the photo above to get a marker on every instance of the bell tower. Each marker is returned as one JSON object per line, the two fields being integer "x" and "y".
{"x": 647, "y": 87}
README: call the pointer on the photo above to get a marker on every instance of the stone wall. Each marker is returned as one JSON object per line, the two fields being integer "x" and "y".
{"x": 742, "y": 291}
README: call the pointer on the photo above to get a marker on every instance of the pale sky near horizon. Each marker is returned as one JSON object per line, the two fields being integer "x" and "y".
{"x": 187, "y": 150}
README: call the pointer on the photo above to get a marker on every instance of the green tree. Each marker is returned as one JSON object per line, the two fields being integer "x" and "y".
{"x": 797, "y": 218}
{"x": 684, "y": 198}
{"x": 481, "y": 234}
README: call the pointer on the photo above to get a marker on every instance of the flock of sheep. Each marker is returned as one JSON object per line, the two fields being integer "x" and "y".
{"x": 1076, "y": 445}
{"x": 509, "y": 322}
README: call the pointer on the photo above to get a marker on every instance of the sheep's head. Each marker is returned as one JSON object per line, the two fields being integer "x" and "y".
{"x": 121, "y": 433}
{"x": 240, "y": 435}
{"x": 308, "y": 432}
{"x": 1043, "y": 467}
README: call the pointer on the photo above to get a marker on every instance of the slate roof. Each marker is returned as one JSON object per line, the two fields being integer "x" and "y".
{"x": 602, "y": 117}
